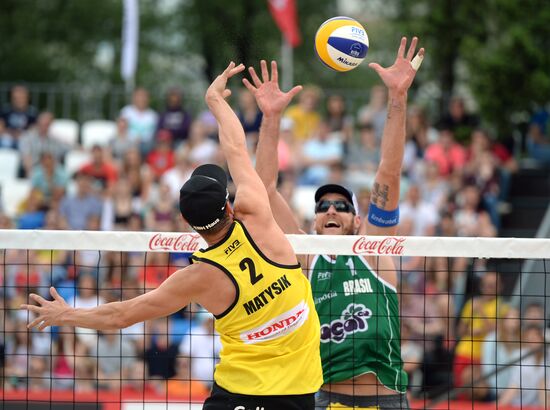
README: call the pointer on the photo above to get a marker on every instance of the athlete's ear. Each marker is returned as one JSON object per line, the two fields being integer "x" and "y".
{"x": 229, "y": 209}
{"x": 356, "y": 223}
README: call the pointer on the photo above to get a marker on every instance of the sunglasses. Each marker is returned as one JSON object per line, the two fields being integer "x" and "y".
{"x": 340, "y": 206}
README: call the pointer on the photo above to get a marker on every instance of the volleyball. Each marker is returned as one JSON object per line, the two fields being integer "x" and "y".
{"x": 341, "y": 43}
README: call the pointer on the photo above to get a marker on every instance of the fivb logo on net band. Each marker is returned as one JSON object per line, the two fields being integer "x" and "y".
{"x": 279, "y": 326}
{"x": 388, "y": 246}
{"x": 354, "y": 319}
{"x": 183, "y": 242}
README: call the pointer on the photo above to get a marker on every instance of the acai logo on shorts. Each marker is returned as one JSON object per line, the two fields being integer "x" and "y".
{"x": 354, "y": 319}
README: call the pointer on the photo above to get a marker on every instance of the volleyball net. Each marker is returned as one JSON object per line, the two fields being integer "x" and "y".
{"x": 472, "y": 312}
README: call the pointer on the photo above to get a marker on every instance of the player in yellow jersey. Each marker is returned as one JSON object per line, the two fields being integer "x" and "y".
{"x": 248, "y": 277}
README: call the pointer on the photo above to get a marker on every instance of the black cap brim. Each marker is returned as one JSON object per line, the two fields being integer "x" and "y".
{"x": 333, "y": 189}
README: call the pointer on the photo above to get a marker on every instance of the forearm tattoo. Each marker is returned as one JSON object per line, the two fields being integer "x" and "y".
{"x": 394, "y": 106}
{"x": 380, "y": 195}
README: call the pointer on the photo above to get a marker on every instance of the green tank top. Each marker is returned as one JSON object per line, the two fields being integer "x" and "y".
{"x": 359, "y": 314}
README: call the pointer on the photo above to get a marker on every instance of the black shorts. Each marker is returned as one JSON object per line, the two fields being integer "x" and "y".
{"x": 221, "y": 399}
{"x": 344, "y": 401}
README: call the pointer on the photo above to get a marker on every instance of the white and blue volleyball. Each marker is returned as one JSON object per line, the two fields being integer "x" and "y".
{"x": 341, "y": 43}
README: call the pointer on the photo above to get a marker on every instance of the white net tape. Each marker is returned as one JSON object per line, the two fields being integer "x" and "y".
{"x": 507, "y": 248}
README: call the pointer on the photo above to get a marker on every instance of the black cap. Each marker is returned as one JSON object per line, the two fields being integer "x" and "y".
{"x": 204, "y": 196}
{"x": 333, "y": 189}
{"x": 337, "y": 189}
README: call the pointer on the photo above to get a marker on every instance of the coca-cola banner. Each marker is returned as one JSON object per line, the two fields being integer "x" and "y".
{"x": 179, "y": 242}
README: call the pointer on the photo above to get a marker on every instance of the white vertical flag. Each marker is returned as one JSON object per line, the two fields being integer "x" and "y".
{"x": 130, "y": 38}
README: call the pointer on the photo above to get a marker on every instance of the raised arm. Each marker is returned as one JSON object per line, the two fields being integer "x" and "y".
{"x": 383, "y": 213}
{"x": 251, "y": 196}
{"x": 173, "y": 294}
{"x": 272, "y": 102}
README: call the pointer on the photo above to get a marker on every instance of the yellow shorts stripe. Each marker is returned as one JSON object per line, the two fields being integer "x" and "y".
{"x": 341, "y": 406}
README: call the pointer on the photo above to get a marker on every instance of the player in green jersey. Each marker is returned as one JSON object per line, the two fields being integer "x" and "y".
{"x": 355, "y": 296}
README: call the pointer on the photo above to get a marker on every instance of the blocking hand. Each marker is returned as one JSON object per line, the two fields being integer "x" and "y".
{"x": 399, "y": 77}
{"x": 269, "y": 97}
{"x": 218, "y": 87}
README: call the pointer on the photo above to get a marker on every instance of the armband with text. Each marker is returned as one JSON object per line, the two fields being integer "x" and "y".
{"x": 382, "y": 218}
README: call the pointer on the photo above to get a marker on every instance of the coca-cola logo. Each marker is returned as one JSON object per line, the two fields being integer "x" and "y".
{"x": 354, "y": 319}
{"x": 185, "y": 242}
{"x": 387, "y": 246}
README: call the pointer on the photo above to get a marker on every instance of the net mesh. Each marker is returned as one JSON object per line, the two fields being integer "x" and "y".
{"x": 469, "y": 322}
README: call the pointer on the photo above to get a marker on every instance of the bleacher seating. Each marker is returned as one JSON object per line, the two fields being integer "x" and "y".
{"x": 97, "y": 132}
{"x": 13, "y": 192}
{"x": 10, "y": 161}
{"x": 65, "y": 130}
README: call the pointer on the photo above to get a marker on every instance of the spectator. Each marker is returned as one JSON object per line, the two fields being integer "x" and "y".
{"x": 250, "y": 115}
{"x": 161, "y": 356}
{"x": 138, "y": 174}
{"x": 363, "y": 158}
{"x": 175, "y": 177}
{"x": 17, "y": 354}
{"x": 201, "y": 149}
{"x": 19, "y": 115}
{"x": 420, "y": 134}
{"x": 418, "y": 217}
{"x": 538, "y": 144}
{"x": 50, "y": 179}
{"x": 142, "y": 120}
{"x": 446, "y": 153}
{"x": 155, "y": 271}
{"x": 37, "y": 141}
{"x": 115, "y": 359}
{"x": 376, "y": 111}
{"x": 183, "y": 385}
{"x": 32, "y": 213}
{"x": 203, "y": 347}
{"x": 161, "y": 213}
{"x": 534, "y": 315}
{"x": 119, "y": 207}
{"x": 459, "y": 121}
{"x": 86, "y": 297}
{"x": 478, "y": 319}
{"x": 161, "y": 158}
{"x": 122, "y": 142}
{"x": 175, "y": 118}
{"x": 499, "y": 349}
{"x": 304, "y": 115}
{"x": 470, "y": 219}
{"x": 78, "y": 209}
{"x": 318, "y": 154}
{"x": 434, "y": 189}
{"x": 528, "y": 381}
{"x": 337, "y": 117}
{"x": 7, "y": 141}
{"x": 101, "y": 170}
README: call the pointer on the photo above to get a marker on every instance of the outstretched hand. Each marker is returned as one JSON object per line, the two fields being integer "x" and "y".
{"x": 269, "y": 97}
{"x": 218, "y": 87}
{"x": 399, "y": 77}
{"x": 49, "y": 313}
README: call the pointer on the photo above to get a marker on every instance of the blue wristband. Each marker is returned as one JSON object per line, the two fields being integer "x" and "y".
{"x": 382, "y": 218}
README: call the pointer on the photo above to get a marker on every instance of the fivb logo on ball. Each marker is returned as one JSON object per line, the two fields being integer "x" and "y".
{"x": 341, "y": 43}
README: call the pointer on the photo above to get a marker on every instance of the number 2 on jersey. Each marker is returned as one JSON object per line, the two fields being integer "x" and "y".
{"x": 247, "y": 263}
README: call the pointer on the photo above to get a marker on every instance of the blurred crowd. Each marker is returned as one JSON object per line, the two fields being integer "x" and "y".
{"x": 456, "y": 179}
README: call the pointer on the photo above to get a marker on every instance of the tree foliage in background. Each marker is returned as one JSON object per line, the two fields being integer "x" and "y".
{"x": 509, "y": 63}
{"x": 54, "y": 40}
{"x": 502, "y": 44}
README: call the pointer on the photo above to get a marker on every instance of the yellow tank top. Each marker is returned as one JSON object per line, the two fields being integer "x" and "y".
{"x": 270, "y": 334}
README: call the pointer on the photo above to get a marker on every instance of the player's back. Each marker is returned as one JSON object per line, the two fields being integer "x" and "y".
{"x": 270, "y": 334}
